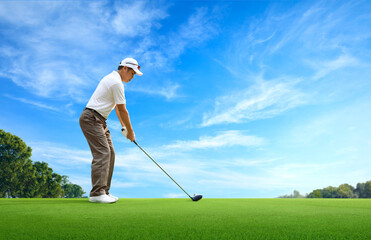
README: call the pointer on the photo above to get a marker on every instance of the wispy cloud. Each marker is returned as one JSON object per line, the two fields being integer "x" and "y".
{"x": 269, "y": 177}
{"x": 323, "y": 68}
{"x": 60, "y": 154}
{"x": 224, "y": 139}
{"x": 27, "y": 14}
{"x": 34, "y": 103}
{"x": 241, "y": 162}
{"x": 315, "y": 39}
{"x": 51, "y": 61}
{"x": 46, "y": 61}
{"x": 169, "y": 91}
{"x": 128, "y": 22}
{"x": 199, "y": 28}
{"x": 159, "y": 52}
{"x": 115, "y": 125}
{"x": 62, "y": 109}
{"x": 265, "y": 99}
{"x": 316, "y": 26}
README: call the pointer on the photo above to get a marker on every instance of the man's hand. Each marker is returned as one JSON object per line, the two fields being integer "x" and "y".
{"x": 125, "y": 132}
{"x": 131, "y": 136}
{"x": 123, "y": 115}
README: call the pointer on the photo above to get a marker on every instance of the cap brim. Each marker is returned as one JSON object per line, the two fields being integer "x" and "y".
{"x": 139, "y": 73}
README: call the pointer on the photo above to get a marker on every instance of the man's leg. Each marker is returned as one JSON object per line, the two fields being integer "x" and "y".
{"x": 94, "y": 130}
{"x": 112, "y": 160}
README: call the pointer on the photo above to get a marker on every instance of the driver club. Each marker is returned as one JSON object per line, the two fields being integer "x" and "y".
{"x": 194, "y": 198}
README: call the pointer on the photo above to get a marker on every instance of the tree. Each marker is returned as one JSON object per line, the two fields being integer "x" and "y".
{"x": 363, "y": 190}
{"x": 295, "y": 194}
{"x": 360, "y": 190}
{"x": 13, "y": 156}
{"x": 315, "y": 194}
{"x": 345, "y": 191}
{"x": 70, "y": 190}
{"x": 73, "y": 191}
{"x": 49, "y": 182}
{"x": 28, "y": 185}
{"x": 19, "y": 177}
{"x": 54, "y": 186}
{"x": 330, "y": 192}
{"x": 368, "y": 189}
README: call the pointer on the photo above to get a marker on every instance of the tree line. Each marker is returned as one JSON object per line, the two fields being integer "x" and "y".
{"x": 22, "y": 178}
{"x": 362, "y": 190}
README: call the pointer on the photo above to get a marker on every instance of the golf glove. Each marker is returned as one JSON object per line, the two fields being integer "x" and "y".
{"x": 124, "y": 131}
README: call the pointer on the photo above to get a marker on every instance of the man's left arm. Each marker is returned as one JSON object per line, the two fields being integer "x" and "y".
{"x": 119, "y": 117}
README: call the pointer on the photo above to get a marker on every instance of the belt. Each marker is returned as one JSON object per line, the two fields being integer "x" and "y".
{"x": 95, "y": 112}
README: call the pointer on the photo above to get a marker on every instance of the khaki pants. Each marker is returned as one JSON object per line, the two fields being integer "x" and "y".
{"x": 96, "y": 132}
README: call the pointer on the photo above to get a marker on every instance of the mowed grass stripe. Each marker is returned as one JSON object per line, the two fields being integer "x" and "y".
{"x": 184, "y": 219}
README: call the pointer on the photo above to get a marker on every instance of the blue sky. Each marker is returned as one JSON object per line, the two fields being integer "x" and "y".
{"x": 239, "y": 99}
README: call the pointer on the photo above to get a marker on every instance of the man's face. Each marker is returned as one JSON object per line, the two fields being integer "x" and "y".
{"x": 128, "y": 74}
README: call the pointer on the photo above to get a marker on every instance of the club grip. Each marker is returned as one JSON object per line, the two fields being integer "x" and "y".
{"x": 124, "y": 132}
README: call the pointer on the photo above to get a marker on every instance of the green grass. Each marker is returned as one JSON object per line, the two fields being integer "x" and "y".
{"x": 184, "y": 219}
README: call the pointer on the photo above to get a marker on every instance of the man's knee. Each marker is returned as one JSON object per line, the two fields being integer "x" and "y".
{"x": 102, "y": 154}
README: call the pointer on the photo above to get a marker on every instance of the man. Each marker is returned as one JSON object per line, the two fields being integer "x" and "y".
{"x": 108, "y": 95}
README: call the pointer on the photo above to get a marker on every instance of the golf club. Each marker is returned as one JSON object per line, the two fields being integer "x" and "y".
{"x": 195, "y": 198}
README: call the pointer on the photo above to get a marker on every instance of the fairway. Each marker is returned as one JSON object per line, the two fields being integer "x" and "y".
{"x": 184, "y": 219}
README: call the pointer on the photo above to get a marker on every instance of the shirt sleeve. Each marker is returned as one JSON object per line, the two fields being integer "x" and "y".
{"x": 118, "y": 93}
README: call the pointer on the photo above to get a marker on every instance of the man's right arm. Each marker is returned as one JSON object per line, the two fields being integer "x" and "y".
{"x": 123, "y": 115}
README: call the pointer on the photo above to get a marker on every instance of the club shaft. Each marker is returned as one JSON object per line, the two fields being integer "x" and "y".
{"x": 162, "y": 169}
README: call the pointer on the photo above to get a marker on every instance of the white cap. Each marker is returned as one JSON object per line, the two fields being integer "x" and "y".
{"x": 131, "y": 63}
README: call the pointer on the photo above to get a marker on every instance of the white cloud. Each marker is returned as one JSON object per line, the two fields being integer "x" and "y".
{"x": 199, "y": 28}
{"x": 224, "y": 139}
{"x": 60, "y": 154}
{"x": 232, "y": 180}
{"x": 308, "y": 46}
{"x": 53, "y": 80}
{"x": 168, "y": 91}
{"x": 301, "y": 39}
{"x": 315, "y": 26}
{"x": 137, "y": 18}
{"x": 115, "y": 125}
{"x": 265, "y": 99}
{"x": 34, "y": 103}
{"x": 160, "y": 53}
{"x": 241, "y": 162}
{"x": 48, "y": 62}
{"x": 26, "y": 13}
{"x": 323, "y": 68}
{"x": 301, "y": 176}
{"x": 61, "y": 57}
{"x": 65, "y": 42}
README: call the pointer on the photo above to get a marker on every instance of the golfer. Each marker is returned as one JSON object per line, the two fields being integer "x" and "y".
{"x": 108, "y": 95}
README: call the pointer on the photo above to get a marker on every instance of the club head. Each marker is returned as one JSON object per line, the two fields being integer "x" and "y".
{"x": 196, "y": 198}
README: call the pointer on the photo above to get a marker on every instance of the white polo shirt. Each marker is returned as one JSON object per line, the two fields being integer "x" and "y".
{"x": 110, "y": 91}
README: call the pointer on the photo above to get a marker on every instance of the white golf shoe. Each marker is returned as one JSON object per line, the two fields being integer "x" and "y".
{"x": 113, "y": 197}
{"x": 102, "y": 199}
